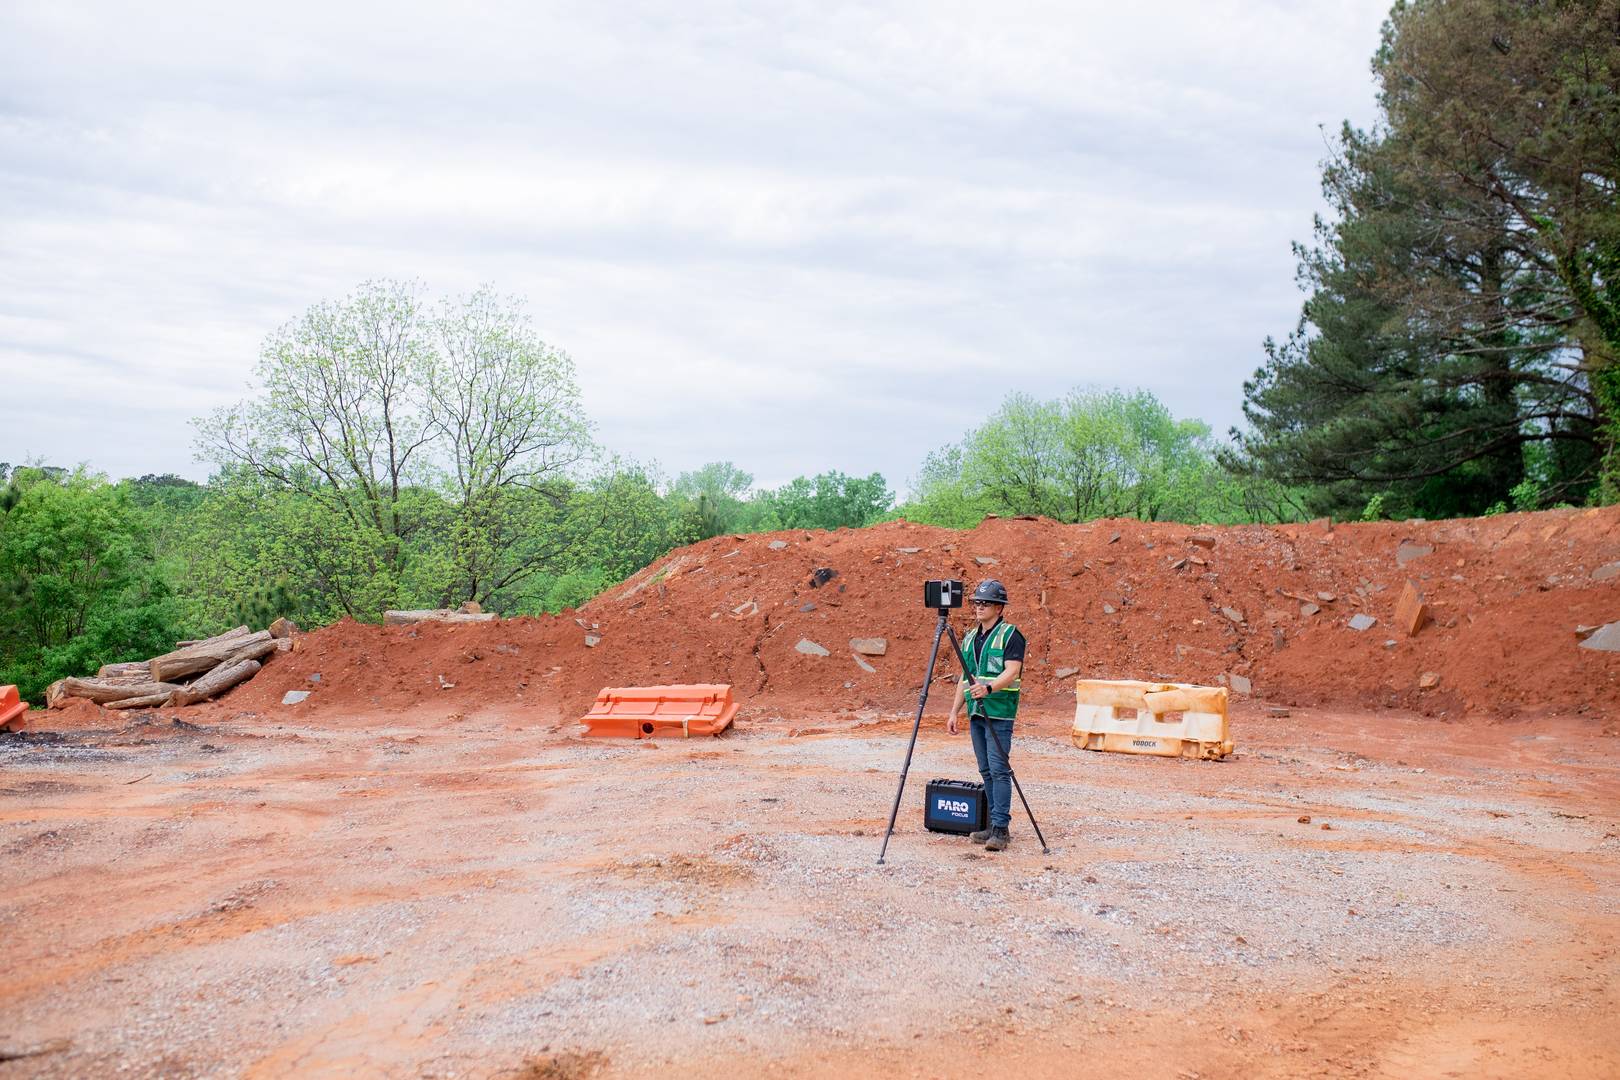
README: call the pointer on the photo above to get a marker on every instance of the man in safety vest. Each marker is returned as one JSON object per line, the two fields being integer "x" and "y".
{"x": 994, "y": 651}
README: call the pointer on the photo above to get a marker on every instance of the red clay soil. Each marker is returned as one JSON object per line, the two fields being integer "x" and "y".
{"x": 1115, "y": 599}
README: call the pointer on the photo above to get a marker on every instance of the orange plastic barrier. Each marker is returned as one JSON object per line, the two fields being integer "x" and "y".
{"x": 645, "y": 712}
{"x": 12, "y": 709}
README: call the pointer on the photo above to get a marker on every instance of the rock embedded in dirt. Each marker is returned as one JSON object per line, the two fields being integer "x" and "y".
{"x": 1203, "y": 540}
{"x": 1409, "y": 550}
{"x": 807, "y": 607}
{"x": 1411, "y": 613}
{"x": 592, "y": 640}
{"x": 1428, "y": 680}
{"x": 1308, "y": 609}
{"x": 860, "y": 661}
{"x": 1361, "y": 621}
{"x": 1066, "y": 672}
{"x": 293, "y": 697}
{"x": 1606, "y": 571}
{"x": 821, "y": 575}
{"x": 1605, "y": 639}
{"x": 984, "y": 560}
{"x": 1241, "y": 684}
{"x": 1232, "y": 613}
{"x": 870, "y": 646}
{"x": 777, "y": 545}
{"x": 810, "y": 648}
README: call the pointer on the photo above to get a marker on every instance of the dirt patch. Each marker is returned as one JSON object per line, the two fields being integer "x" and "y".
{"x": 682, "y": 909}
{"x": 568, "y": 1066}
{"x": 697, "y": 870}
{"x": 1108, "y": 599}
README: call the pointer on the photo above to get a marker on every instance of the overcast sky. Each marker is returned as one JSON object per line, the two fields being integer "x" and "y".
{"x": 795, "y": 236}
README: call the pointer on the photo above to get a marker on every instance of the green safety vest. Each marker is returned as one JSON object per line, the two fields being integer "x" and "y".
{"x": 1001, "y": 704}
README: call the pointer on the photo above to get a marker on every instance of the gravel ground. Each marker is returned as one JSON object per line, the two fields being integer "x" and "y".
{"x": 488, "y": 896}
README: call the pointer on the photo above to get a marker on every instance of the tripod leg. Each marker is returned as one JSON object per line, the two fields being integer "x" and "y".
{"x": 922, "y": 700}
{"x": 1006, "y": 752}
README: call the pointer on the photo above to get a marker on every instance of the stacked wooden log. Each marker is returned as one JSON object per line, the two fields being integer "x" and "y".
{"x": 467, "y": 612}
{"x": 195, "y": 671}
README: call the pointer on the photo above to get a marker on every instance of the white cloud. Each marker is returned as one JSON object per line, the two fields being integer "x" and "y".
{"x": 797, "y": 236}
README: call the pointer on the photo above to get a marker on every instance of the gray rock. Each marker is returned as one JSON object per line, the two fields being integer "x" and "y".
{"x": 1241, "y": 684}
{"x": 810, "y": 648}
{"x": 870, "y": 646}
{"x": 863, "y": 665}
{"x": 1407, "y": 551}
{"x": 1362, "y": 622}
{"x": 1232, "y": 613}
{"x": 808, "y": 605}
{"x": 293, "y": 697}
{"x": 745, "y": 609}
{"x": 908, "y": 551}
{"x": 1606, "y": 571}
{"x": 1605, "y": 639}
{"x": 984, "y": 560}
{"x": 777, "y": 545}
{"x": 592, "y": 640}
{"x": 1067, "y": 672}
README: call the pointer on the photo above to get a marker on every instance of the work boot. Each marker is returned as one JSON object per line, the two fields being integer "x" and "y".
{"x": 979, "y": 836}
{"x": 998, "y": 839}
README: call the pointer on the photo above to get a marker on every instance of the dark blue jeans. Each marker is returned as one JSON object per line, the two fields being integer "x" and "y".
{"x": 993, "y": 766}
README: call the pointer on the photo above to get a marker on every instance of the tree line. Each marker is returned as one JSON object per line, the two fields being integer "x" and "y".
{"x": 401, "y": 452}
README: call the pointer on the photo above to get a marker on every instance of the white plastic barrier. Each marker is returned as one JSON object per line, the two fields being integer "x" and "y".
{"x": 1163, "y": 719}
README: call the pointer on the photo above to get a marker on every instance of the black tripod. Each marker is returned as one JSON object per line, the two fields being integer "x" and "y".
{"x": 940, "y": 631}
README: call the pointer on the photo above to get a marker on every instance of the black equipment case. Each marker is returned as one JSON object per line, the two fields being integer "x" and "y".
{"x": 954, "y": 806}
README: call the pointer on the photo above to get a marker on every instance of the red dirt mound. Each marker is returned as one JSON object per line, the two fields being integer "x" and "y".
{"x": 1108, "y": 599}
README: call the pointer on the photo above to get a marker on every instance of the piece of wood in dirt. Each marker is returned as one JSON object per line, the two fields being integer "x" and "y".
{"x": 407, "y": 618}
{"x": 150, "y": 701}
{"x": 203, "y": 655}
{"x": 102, "y": 691}
{"x": 137, "y": 668}
{"x": 216, "y": 682}
{"x": 254, "y": 650}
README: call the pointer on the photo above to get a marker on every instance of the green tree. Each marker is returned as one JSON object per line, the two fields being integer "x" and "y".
{"x": 426, "y": 449}
{"x": 506, "y": 410}
{"x": 1090, "y": 454}
{"x": 1453, "y": 352}
{"x": 828, "y": 500}
{"x": 715, "y": 497}
{"x": 1513, "y": 109}
{"x": 78, "y": 585}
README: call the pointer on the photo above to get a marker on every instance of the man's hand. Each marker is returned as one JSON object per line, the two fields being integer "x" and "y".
{"x": 950, "y": 723}
{"x": 979, "y": 690}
